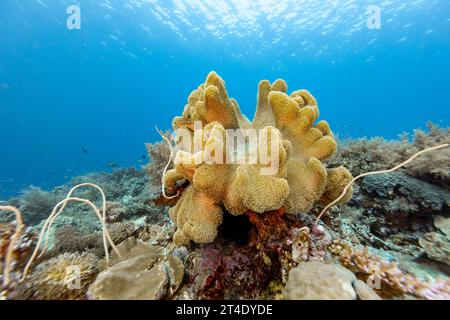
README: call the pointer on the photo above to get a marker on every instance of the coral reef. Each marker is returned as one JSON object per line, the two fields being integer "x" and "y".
{"x": 396, "y": 211}
{"x": 22, "y": 250}
{"x": 65, "y": 277}
{"x": 71, "y": 239}
{"x": 251, "y": 252}
{"x": 436, "y": 247}
{"x": 158, "y": 153}
{"x": 393, "y": 282}
{"x": 320, "y": 281}
{"x": 79, "y": 234}
{"x": 363, "y": 155}
{"x": 287, "y": 125}
{"x": 122, "y": 184}
{"x": 131, "y": 194}
{"x": 42, "y": 243}
{"x": 156, "y": 234}
{"x": 36, "y": 204}
{"x": 396, "y": 190}
{"x": 252, "y": 256}
{"x": 253, "y": 234}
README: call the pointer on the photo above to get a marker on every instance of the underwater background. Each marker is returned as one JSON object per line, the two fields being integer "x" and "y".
{"x": 85, "y": 87}
{"x": 76, "y": 101}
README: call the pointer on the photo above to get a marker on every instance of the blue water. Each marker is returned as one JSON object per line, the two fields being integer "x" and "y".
{"x": 133, "y": 63}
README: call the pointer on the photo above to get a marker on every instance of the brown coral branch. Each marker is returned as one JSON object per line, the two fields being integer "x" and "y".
{"x": 12, "y": 242}
{"x": 344, "y": 192}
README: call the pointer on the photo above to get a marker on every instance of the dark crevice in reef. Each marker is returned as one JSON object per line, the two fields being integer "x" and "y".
{"x": 235, "y": 229}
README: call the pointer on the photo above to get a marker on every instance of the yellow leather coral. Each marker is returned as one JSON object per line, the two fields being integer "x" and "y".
{"x": 276, "y": 162}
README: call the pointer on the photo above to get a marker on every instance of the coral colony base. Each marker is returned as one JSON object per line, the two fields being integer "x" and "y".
{"x": 238, "y": 214}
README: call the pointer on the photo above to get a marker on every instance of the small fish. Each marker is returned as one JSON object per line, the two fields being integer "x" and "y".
{"x": 112, "y": 165}
{"x": 144, "y": 156}
{"x": 84, "y": 151}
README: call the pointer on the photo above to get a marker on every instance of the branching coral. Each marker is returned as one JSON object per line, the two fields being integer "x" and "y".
{"x": 363, "y": 155}
{"x": 434, "y": 165}
{"x": 159, "y": 155}
{"x": 36, "y": 204}
{"x": 120, "y": 185}
{"x": 393, "y": 281}
{"x": 70, "y": 239}
{"x": 287, "y": 171}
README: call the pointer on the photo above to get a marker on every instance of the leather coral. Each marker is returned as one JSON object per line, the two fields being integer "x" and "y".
{"x": 275, "y": 161}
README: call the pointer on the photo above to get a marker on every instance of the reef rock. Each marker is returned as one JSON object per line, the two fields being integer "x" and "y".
{"x": 320, "y": 281}
{"x": 397, "y": 191}
{"x": 145, "y": 273}
{"x": 442, "y": 224}
{"x": 436, "y": 247}
{"x": 293, "y": 176}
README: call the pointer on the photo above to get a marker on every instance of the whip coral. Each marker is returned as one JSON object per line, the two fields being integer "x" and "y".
{"x": 59, "y": 208}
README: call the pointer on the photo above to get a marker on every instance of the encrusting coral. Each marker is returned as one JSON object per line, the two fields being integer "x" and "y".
{"x": 295, "y": 145}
